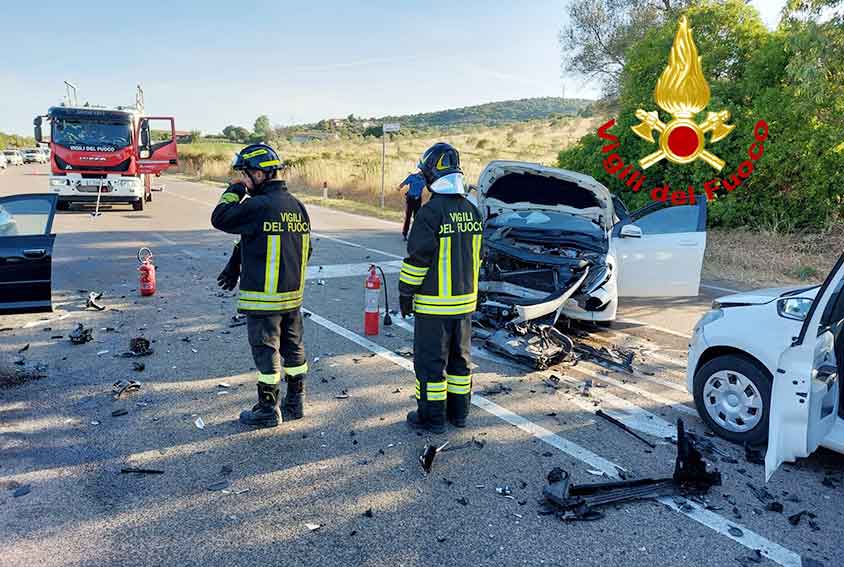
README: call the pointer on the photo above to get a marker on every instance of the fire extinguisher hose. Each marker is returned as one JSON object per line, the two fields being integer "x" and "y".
{"x": 387, "y": 319}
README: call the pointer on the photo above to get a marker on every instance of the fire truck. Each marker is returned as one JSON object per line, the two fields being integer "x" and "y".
{"x": 105, "y": 155}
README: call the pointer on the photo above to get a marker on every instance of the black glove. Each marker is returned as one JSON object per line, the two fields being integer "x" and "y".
{"x": 406, "y": 305}
{"x": 238, "y": 189}
{"x": 231, "y": 273}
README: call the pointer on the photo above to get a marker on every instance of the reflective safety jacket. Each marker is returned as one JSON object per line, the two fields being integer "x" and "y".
{"x": 444, "y": 257}
{"x": 274, "y": 245}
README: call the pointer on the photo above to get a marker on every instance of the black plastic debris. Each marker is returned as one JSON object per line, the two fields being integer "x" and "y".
{"x": 119, "y": 412}
{"x": 429, "y": 453}
{"x": 775, "y": 506}
{"x": 496, "y": 389}
{"x": 124, "y": 388}
{"x": 794, "y": 519}
{"x": 91, "y": 302}
{"x": 579, "y": 502}
{"x": 368, "y": 513}
{"x": 463, "y": 501}
{"x": 80, "y": 335}
{"x": 139, "y": 366}
{"x": 753, "y": 455}
{"x": 753, "y": 559}
{"x": 623, "y": 427}
{"x": 24, "y": 349}
{"x": 22, "y": 490}
{"x": 138, "y": 346}
{"x": 735, "y": 532}
{"x": 217, "y": 486}
{"x": 140, "y": 471}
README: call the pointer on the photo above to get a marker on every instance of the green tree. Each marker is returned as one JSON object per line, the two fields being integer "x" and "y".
{"x": 262, "y": 127}
{"x": 237, "y": 134}
{"x": 791, "y": 78}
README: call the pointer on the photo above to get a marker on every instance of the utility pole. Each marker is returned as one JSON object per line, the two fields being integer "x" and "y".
{"x": 385, "y": 129}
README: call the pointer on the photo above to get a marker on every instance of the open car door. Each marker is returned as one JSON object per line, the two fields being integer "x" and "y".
{"x": 804, "y": 397}
{"x": 660, "y": 250}
{"x": 26, "y": 252}
{"x": 156, "y": 144}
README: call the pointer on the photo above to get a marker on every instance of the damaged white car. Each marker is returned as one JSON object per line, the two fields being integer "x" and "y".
{"x": 765, "y": 364}
{"x": 558, "y": 243}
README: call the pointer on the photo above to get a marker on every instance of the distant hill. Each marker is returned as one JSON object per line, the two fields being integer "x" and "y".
{"x": 493, "y": 113}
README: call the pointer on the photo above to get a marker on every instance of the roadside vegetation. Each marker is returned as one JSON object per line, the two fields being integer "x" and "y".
{"x": 15, "y": 141}
{"x": 792, "y": 77}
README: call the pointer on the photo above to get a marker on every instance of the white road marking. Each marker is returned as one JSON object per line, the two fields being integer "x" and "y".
{"x": 654, "y": 327}
{"x": 40, "y": 322}
{"x": 676, "y": 406}
{"x": 327, "y": 271}
{"x": 716, "y": 522}
{"x": 571, "y": 449}
{"x": 355, "y": 245}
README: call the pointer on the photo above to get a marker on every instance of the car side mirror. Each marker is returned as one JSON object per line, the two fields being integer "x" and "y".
{"x": 794, "y": 307}
{"x": 38, "y": 135}
{"x": 630, "y": 231}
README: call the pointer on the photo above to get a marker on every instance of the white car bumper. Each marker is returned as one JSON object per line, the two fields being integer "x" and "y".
{"x": 697, "y": 346}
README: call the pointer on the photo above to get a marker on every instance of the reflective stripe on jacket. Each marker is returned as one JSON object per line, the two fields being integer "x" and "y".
{"x": 444, "y": 249}
{"x": 275, "y": 246}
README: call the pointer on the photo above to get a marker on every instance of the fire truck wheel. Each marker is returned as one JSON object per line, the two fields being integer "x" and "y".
{"x": 138, "y": 205}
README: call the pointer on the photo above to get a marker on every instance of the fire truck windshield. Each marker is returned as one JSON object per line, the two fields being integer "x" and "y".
{"x": 91, "y": 135}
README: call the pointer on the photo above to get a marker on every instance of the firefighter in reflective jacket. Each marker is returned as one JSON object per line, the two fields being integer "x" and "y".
{"x": 270, "y": 260}
{"x": 439, "y": 283}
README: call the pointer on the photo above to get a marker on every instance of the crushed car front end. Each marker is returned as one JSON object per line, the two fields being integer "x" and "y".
{"x": 546, "y": 244}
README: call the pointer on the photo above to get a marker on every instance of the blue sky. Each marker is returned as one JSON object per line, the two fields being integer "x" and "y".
{"x": 215, "y": 63}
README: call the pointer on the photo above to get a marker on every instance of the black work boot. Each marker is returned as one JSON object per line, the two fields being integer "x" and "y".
{"x": 458, "y": 409}
{"x": 265, "y": 413}
{"x": 422, "y": 418}
{"x": 293, "y": 406}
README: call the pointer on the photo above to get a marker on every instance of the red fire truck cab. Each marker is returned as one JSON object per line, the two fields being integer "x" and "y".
{"x": 106, "y": 153}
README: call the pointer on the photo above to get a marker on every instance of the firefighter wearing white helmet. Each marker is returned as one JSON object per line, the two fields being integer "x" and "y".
{"x": 270, "y": 261}
{"x": 439, "y": 284}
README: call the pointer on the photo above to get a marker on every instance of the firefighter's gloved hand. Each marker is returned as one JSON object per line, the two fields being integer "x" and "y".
{"x": 238, "y": 189}
{"x": 228, "y": 279}
{"x": 231, "y": 273}
{"x": 406, "y": 305}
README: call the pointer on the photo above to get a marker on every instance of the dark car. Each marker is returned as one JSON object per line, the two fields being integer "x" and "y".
{"x": 26, "y": 253}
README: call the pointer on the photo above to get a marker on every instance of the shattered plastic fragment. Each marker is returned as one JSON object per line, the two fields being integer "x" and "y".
{"x": 119, "y": 412}
{"x": 219, "y": 485}
{"x": 22, "y": 490}
{"x": 199, "y": 423}
{"x": 91, "y": 302}
{"x": 313, "y": 527}
{"x": 81, "y": 335}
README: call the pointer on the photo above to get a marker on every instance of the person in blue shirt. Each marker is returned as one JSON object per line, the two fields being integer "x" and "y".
{"x": 415, "y": 183}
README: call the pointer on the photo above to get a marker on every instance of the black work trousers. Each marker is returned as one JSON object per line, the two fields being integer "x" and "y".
{"x": 442, "y": 359}
{"x": 276, "y": 338}
{"x": 411, "y": 207}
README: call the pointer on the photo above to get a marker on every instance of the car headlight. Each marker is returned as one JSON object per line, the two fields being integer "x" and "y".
{"x": 57, "y": 182}
{"x": 598, "y": 276}
{"x": 709, "y": 317}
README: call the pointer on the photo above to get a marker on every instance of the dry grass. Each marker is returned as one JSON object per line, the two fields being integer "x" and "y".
{"x": 769, "y": 259}
{"x": 352, "y": 167}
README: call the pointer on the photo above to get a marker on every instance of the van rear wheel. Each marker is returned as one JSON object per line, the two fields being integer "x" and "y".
{"x": 138, "y": 205}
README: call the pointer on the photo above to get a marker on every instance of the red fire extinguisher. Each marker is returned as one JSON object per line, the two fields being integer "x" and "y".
{"x": 147, "y": 272}
{"x": 372, "y": 291}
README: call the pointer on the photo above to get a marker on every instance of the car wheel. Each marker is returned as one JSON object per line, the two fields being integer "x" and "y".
{"x": 733, "y": 396}
{"x": 138, "y": 205}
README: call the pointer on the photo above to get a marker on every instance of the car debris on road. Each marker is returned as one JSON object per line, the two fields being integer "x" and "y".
{"x": 623, "y": 427}
{"x": 578, "y": 502}
{"x": 91, "y": 301}
{"x": 81, "y": 335}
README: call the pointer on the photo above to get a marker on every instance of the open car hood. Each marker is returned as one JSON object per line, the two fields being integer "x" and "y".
{"x": 511, "y": 186}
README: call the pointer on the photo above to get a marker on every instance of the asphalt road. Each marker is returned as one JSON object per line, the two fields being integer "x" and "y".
{"x": 351, "y": 466}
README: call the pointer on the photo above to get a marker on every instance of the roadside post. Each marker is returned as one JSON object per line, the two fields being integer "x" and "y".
{"x": 386, "y": 128}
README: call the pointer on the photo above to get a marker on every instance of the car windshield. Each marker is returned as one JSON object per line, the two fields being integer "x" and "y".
{"x": 96, "y": 136}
